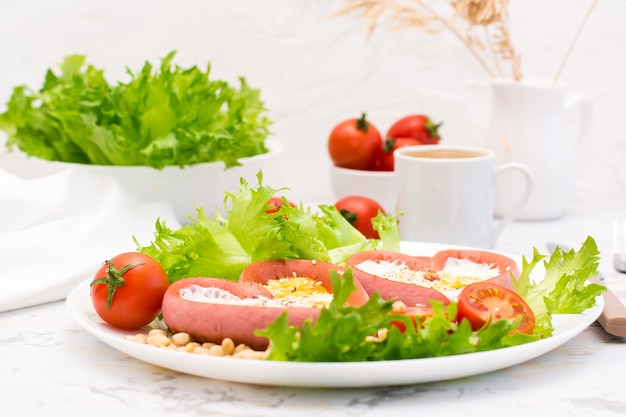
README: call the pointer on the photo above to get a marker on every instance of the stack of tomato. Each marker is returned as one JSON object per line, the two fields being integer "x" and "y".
{"x": 358, "y": 144}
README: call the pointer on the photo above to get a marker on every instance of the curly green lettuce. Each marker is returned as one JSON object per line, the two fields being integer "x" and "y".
{"x": 222, "y": 246}
{"x": 163, "y": 116}
{"x": 564, "y": 288}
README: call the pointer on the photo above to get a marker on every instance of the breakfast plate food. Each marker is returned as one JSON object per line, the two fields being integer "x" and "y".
{"x": 330, "y": 374}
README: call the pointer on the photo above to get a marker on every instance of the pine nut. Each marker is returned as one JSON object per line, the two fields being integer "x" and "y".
{"x": 201, "y": 350}
{"x": 228, "y": 347}
{"x": 182, "y": 342}
{"x": 191, "y": 346}
{"x": 216, "y": 350}
{"x": 159, "y": 340}
{"x": 240, "y": 347}
{"x": 155, "y": 332}
{"x": 181, "y": 339}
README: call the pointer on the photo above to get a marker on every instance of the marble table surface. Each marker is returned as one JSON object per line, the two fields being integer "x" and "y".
{"x": 50, "y": 366}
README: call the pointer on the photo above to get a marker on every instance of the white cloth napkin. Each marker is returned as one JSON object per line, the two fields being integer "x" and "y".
{"x": 57, "y": 230}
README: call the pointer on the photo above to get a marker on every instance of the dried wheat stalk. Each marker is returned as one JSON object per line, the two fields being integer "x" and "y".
{"x": 481, "y": 25}
{"x": 574, "y": 40}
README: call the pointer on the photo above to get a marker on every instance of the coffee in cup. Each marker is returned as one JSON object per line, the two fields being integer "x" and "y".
{"x": 445, "y": 194}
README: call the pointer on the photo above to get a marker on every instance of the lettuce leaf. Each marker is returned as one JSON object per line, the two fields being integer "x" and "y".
{"x": 564, "y": 288}
{"x": 222, "y": 246}
{"x": 163, "y": 116}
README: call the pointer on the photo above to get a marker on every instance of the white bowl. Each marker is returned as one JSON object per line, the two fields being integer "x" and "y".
{"x": 377, "y": 185}
{"x": 200, "y": 185}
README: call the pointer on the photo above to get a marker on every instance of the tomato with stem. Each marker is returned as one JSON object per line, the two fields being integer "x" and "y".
{"x": 416, "y": 126}
{"x": 355, "y": 144}
{"x": 359, "y": 211}
{"x": 127, "y": 290}
{"x": 386, "y": 161}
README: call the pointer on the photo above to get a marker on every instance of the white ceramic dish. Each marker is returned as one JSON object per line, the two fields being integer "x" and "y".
{"x": 355, "y": 374}
{"x": 200, "y": 185}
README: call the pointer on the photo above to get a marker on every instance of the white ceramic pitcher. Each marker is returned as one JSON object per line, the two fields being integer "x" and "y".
{"x": 532, "y": 123}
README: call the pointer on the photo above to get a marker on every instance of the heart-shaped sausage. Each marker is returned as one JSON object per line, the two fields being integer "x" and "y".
{"x": 263, "y": 271}
{"x": 221, "y": 308}
{"x": 433, "y": 273}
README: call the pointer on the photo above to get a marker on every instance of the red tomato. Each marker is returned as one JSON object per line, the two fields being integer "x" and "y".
{"x": 416, "y": 126}
{"x": 360, "y": 211}
{"x": 128, "y": 289}
{"x": 355, "y": 144}
{"x": 276, "y": 202}
{"x": 480, "y": 301}
{"x": 413, "y": 312}
{"x": 385, "y": 162}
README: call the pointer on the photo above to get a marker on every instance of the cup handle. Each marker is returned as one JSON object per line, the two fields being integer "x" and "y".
{"x": 579, "y": 105}
{"x": 530, "y": 185}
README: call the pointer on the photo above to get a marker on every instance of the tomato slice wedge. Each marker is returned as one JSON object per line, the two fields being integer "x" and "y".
{"x": 481, "y": 301}
{"x": 417, "y": 314}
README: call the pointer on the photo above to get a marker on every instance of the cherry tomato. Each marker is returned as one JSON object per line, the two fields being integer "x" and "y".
{"x": 355, "y": 144}
{"x": 418, "y": 127}
{"x": 360, "y": 211}
{"x": 421, "y": 311}
{"x": 413, "y": 312}
{"x": 385, "y": 162}
{"x": 480, "y": 301}
{"x": 276, "y": 202}
{"x": 128, "y": 289}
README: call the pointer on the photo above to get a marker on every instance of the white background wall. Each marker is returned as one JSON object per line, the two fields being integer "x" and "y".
{"x": 315, "y": 70}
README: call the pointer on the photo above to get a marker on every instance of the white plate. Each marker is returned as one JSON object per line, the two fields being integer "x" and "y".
{"x": 351, "y": 374}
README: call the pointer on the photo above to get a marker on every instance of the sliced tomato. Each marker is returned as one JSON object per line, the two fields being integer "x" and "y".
{"x": 481, "y": 302}
{"x": 420, "y": 311}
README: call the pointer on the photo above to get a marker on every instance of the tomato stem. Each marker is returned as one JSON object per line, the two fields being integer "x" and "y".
{"x": 389, "y": 144}
{"x": 362, "y": 124}
{"x": 432, "y": 128}
{"x": 114, "y": 279}
{"x": 350, "y": 216}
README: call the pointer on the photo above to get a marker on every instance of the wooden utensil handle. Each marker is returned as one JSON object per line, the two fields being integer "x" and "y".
{"x": 613, "y": 317}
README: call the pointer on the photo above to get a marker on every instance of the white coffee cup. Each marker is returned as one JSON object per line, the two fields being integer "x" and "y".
{"x": 445, "y": 194}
